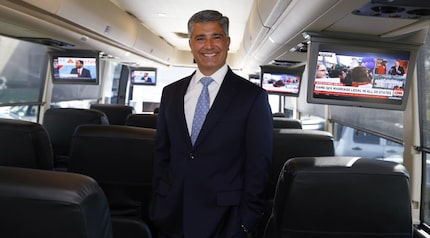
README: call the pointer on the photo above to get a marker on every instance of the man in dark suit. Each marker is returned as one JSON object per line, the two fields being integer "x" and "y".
{"x": 146, "y": 78}
{"x": 80, "y": 71}
{"x": 212, "y": 188}
{"x": 397, "y": 69}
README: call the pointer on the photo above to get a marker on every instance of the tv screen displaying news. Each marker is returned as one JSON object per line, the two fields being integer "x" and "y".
{"x": 281, "y": 80}
{"x": 75, "y": 67}
{"x": 376, "y": 76}
{"x": 143, "y": 76}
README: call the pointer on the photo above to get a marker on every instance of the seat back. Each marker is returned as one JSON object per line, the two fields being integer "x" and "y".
{"x": 283, "y": 122}
{"x": 39, "y": 204}
{"x": 290, "y": 143}
{"x": 130, "y": 227}
{"x": 344, "y": 197}
{"x": 142, "y": 120}
{"x": 61, "y": 124}
{"x": 120, "y": 159}
{"x": 116, "y": 113}
{"x": 25, "y": 144}
{"x": 287, "y": 144}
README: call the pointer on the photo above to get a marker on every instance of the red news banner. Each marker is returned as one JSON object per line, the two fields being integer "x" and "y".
{"x": 330, "y": 88}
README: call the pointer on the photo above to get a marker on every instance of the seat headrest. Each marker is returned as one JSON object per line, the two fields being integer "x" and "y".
{"x": 283, "y": 122}
{"x": 116, "y": 113}
{"x": 142, "y": 120}
{"x": 120, "y": 158}
{"x": 62, "y": 122}
{"x": 342, "y": 197}
{"x": 25, "y": 144}
{"x": 39, "y": 203}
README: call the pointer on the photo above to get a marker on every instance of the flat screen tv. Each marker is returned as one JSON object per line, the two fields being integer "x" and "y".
{"x": 143, "y": 76}
{"x": 362, "y": 73}
{"x": 75, "y": 67}
{"x": 282, "y": 80}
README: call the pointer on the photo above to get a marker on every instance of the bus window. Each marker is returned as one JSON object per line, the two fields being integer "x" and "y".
{"x": 21, "y": 83}
{"x": 353, "y": 142}
{"x": 426, "y": 191}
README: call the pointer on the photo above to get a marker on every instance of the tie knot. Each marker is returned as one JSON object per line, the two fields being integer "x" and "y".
{"x": 206, "y": 81}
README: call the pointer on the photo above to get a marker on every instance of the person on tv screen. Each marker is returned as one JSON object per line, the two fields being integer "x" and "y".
{"x": 146, "y": 78}
{"x": 360, "y": 77}
{"x": 342, "y": 75}
{"x": 321, "y": 71}
{"x": 211, "y": 182}
{"x": 397, "y": 69}
{"x": 80, "y": 70}
{"x": 382, "y": 68}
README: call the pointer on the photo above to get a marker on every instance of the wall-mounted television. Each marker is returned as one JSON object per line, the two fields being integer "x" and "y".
{"x": 75, "y": 67}
{"x": 143, "y": 76}
{"x": 370, "y": 73}
{"x": 282, "y": 80}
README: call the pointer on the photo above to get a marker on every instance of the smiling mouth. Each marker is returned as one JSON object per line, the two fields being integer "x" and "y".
{"x": 210, "y": 55}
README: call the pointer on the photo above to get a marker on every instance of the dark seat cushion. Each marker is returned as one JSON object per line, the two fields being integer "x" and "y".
{"x": 142, "y": 120}
{"x": 344, "y": 197}
{"x": 116, "y": 113}
{"x": 25, "y": 144}
{"x": 40, "y": 203}
{"x": 282, "y": 122}
{"x": 61, "y": 123}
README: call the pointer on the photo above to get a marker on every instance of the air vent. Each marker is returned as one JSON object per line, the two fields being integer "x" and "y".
{"x": 405, "y": 9}
{"x": 47, "y": 41}
{"x": 181, "y": 35}
{"x": 284, "y": 62}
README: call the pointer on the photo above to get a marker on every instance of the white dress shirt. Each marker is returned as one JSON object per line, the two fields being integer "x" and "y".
{"x": 195, "y": 88}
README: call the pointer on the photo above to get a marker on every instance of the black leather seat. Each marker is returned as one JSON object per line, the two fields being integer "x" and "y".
{"x": 142, "y": 120}
{"x": 61, "y": 124}
{"x": 116, "y": 113}
{"x": 290, "y": 143}
{"x": 283, "y": 122}
{"x": 287, "y": 144}
{"x": 47, "y": 204}
{"x": 341, "y": 197}
{"x": 120, "y": 158}
{"x": 25, "y": 144}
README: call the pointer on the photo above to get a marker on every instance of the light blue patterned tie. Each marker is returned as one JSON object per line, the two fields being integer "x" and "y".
{"x": 202, "y": 108}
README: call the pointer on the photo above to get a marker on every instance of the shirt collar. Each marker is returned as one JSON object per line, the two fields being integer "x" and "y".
{"x": 218, "y": 76}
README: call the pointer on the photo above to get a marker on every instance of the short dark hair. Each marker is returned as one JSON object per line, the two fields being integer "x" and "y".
{"x": 208, "y": 16}
{"x": 360, "y": 74}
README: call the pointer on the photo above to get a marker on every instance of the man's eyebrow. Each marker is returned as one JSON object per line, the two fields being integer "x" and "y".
{"x": 213, "y": 34}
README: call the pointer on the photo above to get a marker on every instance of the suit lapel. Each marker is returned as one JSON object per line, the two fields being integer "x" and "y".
{"x": 226, "y": 94}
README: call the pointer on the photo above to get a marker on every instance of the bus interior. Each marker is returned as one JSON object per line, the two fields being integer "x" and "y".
{"x": 134, "y": 48}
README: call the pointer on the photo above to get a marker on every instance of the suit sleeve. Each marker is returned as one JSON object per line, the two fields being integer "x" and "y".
{"x": 259, "y": 138}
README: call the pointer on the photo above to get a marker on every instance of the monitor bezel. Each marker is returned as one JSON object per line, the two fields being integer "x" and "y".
{"x": 387, "y": 47}
{"x": 293, "y": 70}
{"x": 140, "y": 68}
{"x": 75, "y": 54}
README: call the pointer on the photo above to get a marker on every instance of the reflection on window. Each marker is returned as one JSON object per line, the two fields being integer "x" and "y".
{"x": 353, "y": 142}
{"x": 365, "y": 138}
{"x": 22, "y": 71}
{"x": 426, "y": 191}
{"x": 21, "y": 112}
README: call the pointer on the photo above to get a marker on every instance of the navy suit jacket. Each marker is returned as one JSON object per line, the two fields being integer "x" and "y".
{"x": 223, "y": 176}
{"x": 84, "y": 74}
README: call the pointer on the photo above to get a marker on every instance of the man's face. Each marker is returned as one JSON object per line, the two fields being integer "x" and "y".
{"x": 78, "y": 64}
{"x": 209, "y": 45}
{"x": 321, "y": 71}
